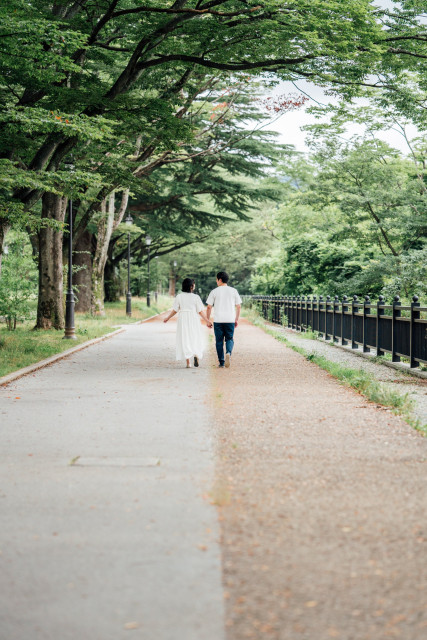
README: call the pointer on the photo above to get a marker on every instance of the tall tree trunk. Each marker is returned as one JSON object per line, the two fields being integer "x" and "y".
{"x": 50, "y": 309}
{"x": 82, "y": 279}
{"x": 112, "y": 282}
{"x": 105, "y": 229}
{"x": 108, "y": 223}
{"x": 4, "y": 228}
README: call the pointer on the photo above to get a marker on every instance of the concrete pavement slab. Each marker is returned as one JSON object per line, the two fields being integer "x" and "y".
{"x": 106, "y": 531}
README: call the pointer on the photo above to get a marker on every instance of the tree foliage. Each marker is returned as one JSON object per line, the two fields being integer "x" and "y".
{"x": 355, "y": 221}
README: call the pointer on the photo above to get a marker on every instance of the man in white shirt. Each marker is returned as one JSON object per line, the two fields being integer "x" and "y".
{"x": 227, "y": 303}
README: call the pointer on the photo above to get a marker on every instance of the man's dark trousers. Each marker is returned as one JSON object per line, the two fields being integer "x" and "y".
{"x": 224, "y": 331}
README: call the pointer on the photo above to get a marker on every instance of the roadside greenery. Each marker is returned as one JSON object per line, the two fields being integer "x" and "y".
{"x": 353, "y": 220}
{"x": 18, "y": 283}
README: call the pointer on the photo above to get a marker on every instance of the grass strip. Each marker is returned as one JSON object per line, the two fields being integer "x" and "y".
{"x": 26, "y": 346}
{"x": 365, "y": 383}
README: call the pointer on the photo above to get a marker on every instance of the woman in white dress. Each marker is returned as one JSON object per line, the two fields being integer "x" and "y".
{"x": 189, "y": 337}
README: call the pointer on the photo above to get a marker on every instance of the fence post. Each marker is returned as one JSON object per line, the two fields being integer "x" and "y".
{"x": 379, "y": 333}
{"x": 312, "y": 313}
{"x": 307, "y": 323}
{"x": 303, "y": 328}
{"x": 353, "y": 306}
{"x": 297, "y": 327}
{"x": 344, "y": 307}
{"x": 294, "y": 312}
{"x": 366, "y": 303}
{"x": 396, "y": 314}
{"x": 334, "y": 319}
{"x": 320, "y": 302}
{"x": 415, "y": 315}
{"x": 327, "y": 306}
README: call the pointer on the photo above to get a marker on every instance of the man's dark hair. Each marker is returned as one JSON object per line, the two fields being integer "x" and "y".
{"x": 187, "y": 283}
{"x": 222, "y": 275}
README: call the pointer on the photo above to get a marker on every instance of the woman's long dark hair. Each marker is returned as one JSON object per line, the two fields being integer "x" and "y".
{"x": 187, "y": 283}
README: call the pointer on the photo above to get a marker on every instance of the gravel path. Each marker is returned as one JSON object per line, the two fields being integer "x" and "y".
{"x": 398, "y": 381}
{"x": 322, "y": 503}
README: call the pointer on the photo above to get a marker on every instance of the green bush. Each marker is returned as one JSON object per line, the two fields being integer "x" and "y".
{"x": 18, "y": 280}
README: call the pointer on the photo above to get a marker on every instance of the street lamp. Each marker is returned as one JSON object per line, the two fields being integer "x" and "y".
{"x": 157, "y": 278}
{"x": 69, "y": 299}
{"x": 129, "y": 223}
{"x": 148, "y": 242}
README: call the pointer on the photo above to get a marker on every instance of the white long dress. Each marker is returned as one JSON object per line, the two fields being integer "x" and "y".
{"x": 189, "y": 333}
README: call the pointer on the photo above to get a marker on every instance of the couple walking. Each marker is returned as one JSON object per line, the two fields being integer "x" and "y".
{"x": 226, "y": 303}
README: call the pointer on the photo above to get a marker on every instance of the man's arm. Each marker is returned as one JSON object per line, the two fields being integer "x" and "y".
{"x": 208, "y": 311}
{"x": 238, "y": 307}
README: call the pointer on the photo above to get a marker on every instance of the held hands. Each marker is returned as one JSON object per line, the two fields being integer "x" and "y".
{"x": 209, "y": 324}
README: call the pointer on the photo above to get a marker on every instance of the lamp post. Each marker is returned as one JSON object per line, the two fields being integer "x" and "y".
{"x": 157, "y": 277}
{"x": 148, "y": 242}
{"x": 129, "y": 223}
{"x": 69, "y": 298}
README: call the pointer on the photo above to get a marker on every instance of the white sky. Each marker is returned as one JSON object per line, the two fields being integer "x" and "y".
{"x": 289, "y": 125}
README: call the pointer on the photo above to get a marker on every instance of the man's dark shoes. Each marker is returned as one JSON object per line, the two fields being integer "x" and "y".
{"x": 221, "y": 365}
{"x": 196, "y": 361}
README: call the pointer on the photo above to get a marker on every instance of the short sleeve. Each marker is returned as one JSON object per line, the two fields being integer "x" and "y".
{"x": 211, "y": 299}
{"x": 199, "y": 304}
{"x": 237, "y": 298}
{"x": 176, "y": 306}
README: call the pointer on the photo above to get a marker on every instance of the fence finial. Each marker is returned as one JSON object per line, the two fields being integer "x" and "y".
{"x": 415, "y": 298}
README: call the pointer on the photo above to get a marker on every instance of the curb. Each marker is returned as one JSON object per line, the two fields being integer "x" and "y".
{"x": 20, "y": 373}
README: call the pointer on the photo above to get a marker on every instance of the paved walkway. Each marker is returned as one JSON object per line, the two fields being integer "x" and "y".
{"x": 106, "y": 461}
{"x": 113, "y": 458}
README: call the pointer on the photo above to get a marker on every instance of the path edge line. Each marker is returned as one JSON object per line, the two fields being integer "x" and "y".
{"x": 25, "y": 371}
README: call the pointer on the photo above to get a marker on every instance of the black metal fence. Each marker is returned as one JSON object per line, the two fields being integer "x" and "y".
{"x": 396, "y": 329}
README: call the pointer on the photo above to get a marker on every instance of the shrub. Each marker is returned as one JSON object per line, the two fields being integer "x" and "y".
{"x": 18, "y": 280}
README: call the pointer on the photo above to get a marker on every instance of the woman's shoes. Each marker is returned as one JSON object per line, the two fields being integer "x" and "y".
{"x": 196, "y": 361}
{"x": 188, "y": 365}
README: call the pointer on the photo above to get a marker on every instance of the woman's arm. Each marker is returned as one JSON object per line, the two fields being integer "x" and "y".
{"x": 172, "y": 313}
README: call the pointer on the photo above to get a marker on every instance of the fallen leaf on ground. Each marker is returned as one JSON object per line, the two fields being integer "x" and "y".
{"x": 131, "y": 625}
